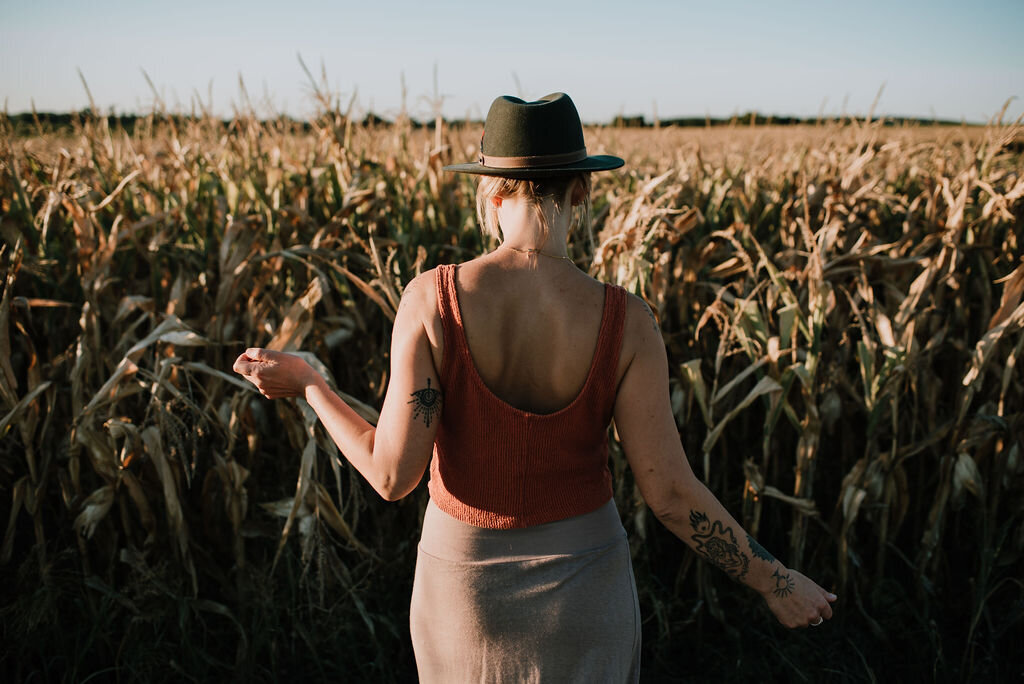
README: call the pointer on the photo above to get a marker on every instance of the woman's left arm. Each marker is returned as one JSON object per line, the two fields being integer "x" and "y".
{"x": 393, "y": 455}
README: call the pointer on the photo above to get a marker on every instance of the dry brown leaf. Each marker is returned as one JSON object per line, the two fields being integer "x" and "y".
{"x": 94, "y": 509}
{"x": 1013, "y": 290}
{"x": 298, "y": 322}
{"x": 172, "y": 504}
{"x": 20, "y": 407}
{"x": 8, "y": 381}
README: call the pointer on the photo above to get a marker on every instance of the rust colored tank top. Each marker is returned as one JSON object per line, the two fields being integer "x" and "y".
{"x": 501, "y": 467}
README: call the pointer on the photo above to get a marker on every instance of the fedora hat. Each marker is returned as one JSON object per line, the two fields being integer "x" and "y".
{"x": 534, "y": 140}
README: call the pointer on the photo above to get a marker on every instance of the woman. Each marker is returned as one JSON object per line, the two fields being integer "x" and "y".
{"x": 505, "y": 374}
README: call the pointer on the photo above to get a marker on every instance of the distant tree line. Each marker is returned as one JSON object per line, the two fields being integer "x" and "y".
{"x": 758, "y": 119}
{"x": 29, "y": 123}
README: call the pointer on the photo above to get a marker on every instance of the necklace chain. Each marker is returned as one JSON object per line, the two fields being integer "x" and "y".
{"x": 536, "y": 251}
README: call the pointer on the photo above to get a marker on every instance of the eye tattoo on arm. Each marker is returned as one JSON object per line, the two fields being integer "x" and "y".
{"x": 718, "y": 544}
{"x": 427, "y": 403}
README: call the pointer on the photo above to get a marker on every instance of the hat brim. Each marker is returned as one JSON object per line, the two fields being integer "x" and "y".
{"x": 598, "y": 162}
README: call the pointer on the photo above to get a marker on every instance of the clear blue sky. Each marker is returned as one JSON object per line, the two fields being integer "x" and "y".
{"x": 948, "y": 59}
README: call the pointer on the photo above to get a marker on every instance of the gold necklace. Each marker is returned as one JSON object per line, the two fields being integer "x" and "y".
{"x": 536, "y": 251}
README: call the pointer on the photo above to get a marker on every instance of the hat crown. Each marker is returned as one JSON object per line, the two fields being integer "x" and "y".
{"x": 538, "y": 139}
{"x": 544, "y": 127}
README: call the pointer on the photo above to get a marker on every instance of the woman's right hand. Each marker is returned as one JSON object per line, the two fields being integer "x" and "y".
{"x": 276, "y": 374}
{"x": 797, "y": 601}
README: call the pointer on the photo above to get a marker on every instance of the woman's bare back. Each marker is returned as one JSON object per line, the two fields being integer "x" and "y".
{"x": 532, "y": 332}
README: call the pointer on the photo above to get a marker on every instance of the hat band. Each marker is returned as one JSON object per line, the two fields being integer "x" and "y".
{"x": 533, "y": 161}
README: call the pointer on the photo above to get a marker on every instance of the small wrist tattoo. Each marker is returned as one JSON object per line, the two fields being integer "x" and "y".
{"x": 783, "y": 584}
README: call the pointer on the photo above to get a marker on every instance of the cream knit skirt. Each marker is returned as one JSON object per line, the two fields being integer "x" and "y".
{"x": 551, "y": 603}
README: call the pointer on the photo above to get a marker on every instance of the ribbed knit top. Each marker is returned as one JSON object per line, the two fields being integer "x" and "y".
{"x": 498, "y": 466}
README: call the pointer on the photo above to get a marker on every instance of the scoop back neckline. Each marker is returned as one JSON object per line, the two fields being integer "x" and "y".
{"x": 475, "y": 372}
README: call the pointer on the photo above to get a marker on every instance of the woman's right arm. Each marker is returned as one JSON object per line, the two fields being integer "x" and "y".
{"x": 394, "y": 454}
{"x": 647, "y": 430}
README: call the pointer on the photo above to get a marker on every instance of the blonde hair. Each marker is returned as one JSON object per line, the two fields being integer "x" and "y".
{"x": 534, "y": 191}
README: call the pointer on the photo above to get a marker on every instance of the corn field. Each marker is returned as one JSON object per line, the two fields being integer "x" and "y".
{"x": 843, "y": 307}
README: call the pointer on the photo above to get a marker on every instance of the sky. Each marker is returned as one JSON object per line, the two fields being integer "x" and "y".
{"x": 951, "y": 60}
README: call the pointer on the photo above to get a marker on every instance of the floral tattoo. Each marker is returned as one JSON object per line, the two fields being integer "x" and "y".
{"x": 718, "y": 544}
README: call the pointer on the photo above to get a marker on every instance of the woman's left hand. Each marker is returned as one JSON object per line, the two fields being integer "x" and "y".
{"x": 797, "y": 601}
{"x": 275, "y": 374}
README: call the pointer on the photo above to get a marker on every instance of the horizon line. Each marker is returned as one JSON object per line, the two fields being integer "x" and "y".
{"x": 636, "y": 120}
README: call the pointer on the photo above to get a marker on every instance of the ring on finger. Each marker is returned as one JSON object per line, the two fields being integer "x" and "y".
{"x": 820, "y": 620}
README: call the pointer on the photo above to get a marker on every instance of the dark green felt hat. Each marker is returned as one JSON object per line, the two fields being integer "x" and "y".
{"x": 534, "y": 140}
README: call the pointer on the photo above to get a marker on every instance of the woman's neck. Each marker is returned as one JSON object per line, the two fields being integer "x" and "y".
{"x": 522, "y": 228}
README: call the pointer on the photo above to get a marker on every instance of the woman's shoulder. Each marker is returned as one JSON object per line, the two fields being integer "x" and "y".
{"x": 418, "y": 312}
{"x": 639, "y": 313}
{"x": 421, "y": 291}
{"x": 641, "y": 335}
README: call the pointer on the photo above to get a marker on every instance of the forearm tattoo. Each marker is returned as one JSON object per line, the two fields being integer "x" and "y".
{"x": 759, "y": 551}
{"x": 718, "y": 544}
{"x": 427, "y": 402}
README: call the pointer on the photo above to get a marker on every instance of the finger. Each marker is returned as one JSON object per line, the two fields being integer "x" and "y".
{"x": 257, "y": 354}
{"x": 826, "y": 612}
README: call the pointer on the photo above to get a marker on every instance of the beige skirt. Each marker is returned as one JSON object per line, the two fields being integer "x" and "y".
{"x": 551, "y": 603}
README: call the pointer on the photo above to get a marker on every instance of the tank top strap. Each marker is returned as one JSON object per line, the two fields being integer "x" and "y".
{"x": 451, "y": 319}
{"x": 609, "y": 343}
{"x": 444, "y": 277}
